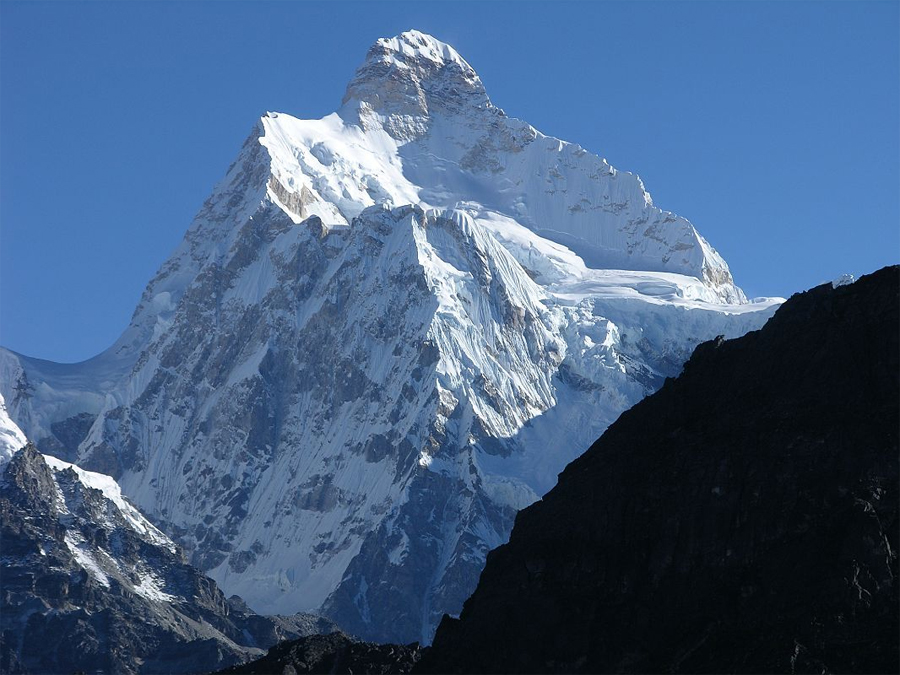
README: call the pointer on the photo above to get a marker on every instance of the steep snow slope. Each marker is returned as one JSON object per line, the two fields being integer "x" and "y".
{"x": 385, "y": 332}
{"x": 11, "y": 437}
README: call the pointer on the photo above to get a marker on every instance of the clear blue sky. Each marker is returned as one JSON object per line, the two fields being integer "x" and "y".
{"x": 773, "y": 127}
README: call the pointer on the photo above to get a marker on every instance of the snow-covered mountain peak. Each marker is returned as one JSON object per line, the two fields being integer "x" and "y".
{"x": 412, "y": 47}
{"x": 406, "y": 79}
{"x": 384, "y": 332}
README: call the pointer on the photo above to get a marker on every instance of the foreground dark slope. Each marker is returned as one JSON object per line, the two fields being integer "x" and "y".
{"x": 333, "y": 653}
{"x": 744, "y": 518}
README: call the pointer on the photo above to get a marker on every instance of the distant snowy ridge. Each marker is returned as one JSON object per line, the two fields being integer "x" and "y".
{"x": 384, "y": 332}
{"x": 843, "y": 280}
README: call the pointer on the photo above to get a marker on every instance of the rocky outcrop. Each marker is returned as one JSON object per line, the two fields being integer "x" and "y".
{"x": 89, "y": 585}
{"x": 408, "y": 79}
{"x": 742, "y": 519}
{"x": 334, "y": 653}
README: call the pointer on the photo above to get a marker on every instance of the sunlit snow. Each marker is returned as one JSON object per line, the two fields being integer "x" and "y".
{"x": 414, "y": 291}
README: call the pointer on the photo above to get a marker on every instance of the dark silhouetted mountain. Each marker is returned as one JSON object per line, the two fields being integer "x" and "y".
{"x": 742, "y": 519}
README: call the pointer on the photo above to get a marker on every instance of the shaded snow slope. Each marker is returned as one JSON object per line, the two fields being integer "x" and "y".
{"x": 11, "y": 437}
{"x": 384, "y": 332}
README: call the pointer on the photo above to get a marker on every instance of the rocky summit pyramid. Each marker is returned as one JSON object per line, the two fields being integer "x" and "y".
{"x": 384, "y": 333}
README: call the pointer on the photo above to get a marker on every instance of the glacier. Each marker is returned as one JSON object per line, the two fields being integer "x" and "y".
{"x": 385, "y": 332}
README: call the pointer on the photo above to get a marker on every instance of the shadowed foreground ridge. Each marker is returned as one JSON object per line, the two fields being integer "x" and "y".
{"x": 334, "y": 653}
{"x": 742, "y": 519}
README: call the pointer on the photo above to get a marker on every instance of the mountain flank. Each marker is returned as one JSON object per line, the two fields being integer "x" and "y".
{"x": 742, "y": 519}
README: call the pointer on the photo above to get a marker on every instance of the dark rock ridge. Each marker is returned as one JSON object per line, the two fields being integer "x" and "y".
{"x": 88, "y": 585}
{"x": 334, "y": 653}
{"x": 742, "y": 519}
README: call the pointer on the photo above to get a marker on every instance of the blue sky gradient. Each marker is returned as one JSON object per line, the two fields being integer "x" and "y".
{"x": 773, "y": 127}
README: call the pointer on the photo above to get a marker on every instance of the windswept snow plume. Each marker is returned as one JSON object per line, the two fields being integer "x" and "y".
{"x": 385, "y": 332}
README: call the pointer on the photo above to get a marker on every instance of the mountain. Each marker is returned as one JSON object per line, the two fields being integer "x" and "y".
{"x": 742, "y": 519}
{"x": 384, "y": 333}
{"x": 90, "y": 585}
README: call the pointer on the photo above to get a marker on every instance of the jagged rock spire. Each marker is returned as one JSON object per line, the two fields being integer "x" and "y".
{"x": 407, "y": 77}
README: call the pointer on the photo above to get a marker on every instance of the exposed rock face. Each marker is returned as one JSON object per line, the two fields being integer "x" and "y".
{"x": 384, "y": 332}
{"x": 89, "y": 585}
{"x": 334, "y": 653}
{"x": 742, "y": 519}
{"x": 407, "y": 80}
